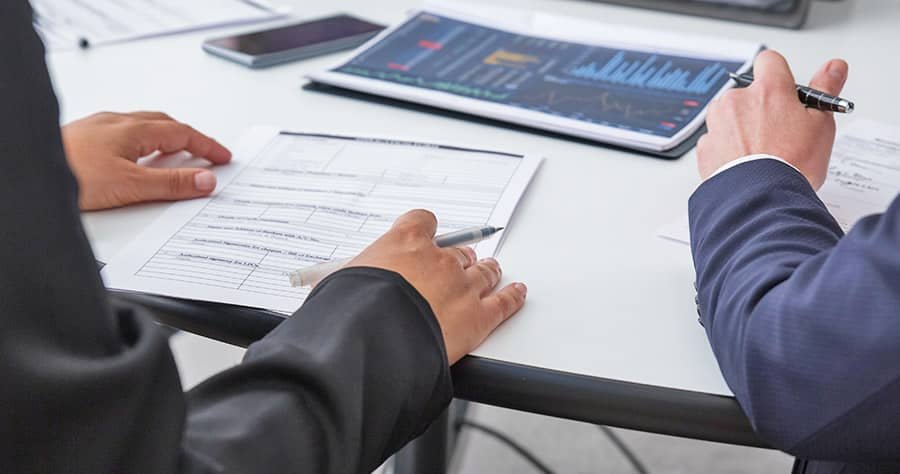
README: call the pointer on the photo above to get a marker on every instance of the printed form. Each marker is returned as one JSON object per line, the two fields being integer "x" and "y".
{"x": 304, "y": 199}
{"x": 65, "y": 24}
{"x": 863, "y": 176}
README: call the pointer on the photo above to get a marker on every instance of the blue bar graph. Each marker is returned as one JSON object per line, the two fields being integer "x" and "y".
{"x": 648, "y": 73}
{"x": 652, "y": 93}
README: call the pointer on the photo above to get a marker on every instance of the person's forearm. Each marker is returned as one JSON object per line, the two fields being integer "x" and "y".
{"x": 804, "y": 323}
{"x": 357, "y": 372}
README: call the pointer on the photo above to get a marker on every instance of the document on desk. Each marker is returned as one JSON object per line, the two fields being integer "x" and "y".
{"x": 65, "y": 24}
{"x": 863, "y": 177}
{"x": 639, "y": 88}
{"x": 292, "y": 200}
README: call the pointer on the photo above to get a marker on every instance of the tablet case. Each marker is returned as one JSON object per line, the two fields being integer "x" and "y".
{"x": 672, "y": 154}
{"x": 792, "y": 17}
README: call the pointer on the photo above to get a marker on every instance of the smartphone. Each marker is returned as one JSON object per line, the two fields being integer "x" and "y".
{"x": 265, "y": 48}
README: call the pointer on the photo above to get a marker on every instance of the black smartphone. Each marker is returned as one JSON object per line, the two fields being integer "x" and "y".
{"x": 293, "y": 42}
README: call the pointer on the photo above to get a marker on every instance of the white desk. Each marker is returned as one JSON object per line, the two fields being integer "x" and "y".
{"x": 611, "y": 299}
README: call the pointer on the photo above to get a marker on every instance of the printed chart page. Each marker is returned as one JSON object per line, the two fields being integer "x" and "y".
{"x": 67, "y": 24}
{"x": 863, "y": 176}
{"x": 293, "y": 200}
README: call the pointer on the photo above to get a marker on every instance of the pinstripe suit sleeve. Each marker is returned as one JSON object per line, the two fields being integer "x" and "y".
{"x": 805, "y": 322}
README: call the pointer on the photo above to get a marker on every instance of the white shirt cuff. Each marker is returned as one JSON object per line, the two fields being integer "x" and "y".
{"x": 749, "y": 158}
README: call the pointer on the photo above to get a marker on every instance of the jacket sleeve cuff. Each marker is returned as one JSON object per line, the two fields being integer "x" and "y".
{"x": 747, "y": 159}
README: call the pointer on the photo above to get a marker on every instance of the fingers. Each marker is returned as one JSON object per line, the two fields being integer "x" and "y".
{"x": 485, "y": 275}
{"x": 831, "y": 77}
{"x": 150, "y": 115}
{"x": 506, "y": 302}
{"x": 771, "y": 70}
{"x": 419, "y": 222}
{"x": 465, "y": 255}
{"x": 155, "y": 184}
{"x": 168, "y": 136}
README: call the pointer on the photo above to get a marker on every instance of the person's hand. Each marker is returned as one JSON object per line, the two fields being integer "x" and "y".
{"x": 459, "y": 289}
{"x": 767, "y": 118}
{"x": 103, "y": 150}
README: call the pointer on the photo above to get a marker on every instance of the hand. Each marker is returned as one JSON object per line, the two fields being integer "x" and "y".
{"x": 767, "y": 118}
{"x": 103, "y": 150}
{"x": 459, "y": 289}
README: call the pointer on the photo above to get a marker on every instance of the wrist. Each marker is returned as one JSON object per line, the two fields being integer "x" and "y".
{"x": 748, "y": 159}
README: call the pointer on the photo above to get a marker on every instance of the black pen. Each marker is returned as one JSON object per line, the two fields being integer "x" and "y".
{"x": 809, "y": 96}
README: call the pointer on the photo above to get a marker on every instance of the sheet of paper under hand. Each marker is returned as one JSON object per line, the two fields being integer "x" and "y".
{"x": 863, "y": 177}
{"x": 292, "y": 200}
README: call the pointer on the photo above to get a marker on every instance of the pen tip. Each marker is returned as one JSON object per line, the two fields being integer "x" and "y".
{"x": 498, "y": 229}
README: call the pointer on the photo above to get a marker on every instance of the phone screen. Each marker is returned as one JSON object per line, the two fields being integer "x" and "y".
{"x": 297, "y": 36}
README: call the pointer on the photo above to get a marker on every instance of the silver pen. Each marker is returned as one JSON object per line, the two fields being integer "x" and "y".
{"x": 309, "y": 276}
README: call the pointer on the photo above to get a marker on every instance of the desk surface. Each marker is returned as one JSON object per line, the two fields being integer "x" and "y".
{"x": 612, "y": 300}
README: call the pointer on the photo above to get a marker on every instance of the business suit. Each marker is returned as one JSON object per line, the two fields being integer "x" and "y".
{"x": 804, "y": 321}
{"x": 90, "y": 386}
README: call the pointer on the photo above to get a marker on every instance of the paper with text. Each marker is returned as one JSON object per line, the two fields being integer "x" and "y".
{"x": 304, "y": 199}
{"x": 863, "y": 177}
{"x": 63, "y": 24}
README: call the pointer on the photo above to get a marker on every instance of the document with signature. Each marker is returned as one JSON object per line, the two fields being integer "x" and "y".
{"x": 294, "y": 199}
{"x": 68, "y": 24}
{"x": 863, "y": 177}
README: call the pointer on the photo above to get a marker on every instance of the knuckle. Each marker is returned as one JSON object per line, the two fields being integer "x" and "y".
{"x": 505, "y": 302}
{"x": 489, "y": 274}
{"x": 467, "y": 256}
{"x": 139, "y": 127}
{"x": 702, "y": 144}
{"x": 730, "y": 99}
{"x": 447, "y": 259}
{"x": 174, "y": 183}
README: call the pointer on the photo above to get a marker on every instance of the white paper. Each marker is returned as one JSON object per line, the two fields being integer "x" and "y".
{"x": 63, "y": 24}
{"x": 295, "y": 200}
{"x": 554, "y": 27}
{"x": 863, "y": 177}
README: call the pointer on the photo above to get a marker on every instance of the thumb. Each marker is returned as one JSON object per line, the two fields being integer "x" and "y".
{"x": 156, "y": 184}
{"x": 831, "y": 78}
{"x": 417, "y": 222}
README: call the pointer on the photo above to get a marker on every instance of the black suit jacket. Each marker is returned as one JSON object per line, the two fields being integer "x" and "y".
{"x": 87, "y": 387}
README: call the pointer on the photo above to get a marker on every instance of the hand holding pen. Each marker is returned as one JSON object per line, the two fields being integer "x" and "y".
{"x": 812, "y": 98}
{"x": 766, "y": 120}
{"x": 460, "y": 290}
{"x": 309, "y": 276}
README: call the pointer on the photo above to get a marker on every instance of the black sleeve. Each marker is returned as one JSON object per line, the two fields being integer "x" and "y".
{"x": 87, "y": 387}
{"x": 338, "y": 387}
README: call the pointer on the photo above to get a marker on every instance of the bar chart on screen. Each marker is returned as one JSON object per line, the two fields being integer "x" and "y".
{"x": 654, "y": 93}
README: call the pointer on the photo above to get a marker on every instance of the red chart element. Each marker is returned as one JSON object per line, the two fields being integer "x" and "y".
{"x": 430, "y": 45}
{"x": 667, "y": 124}
{"x": 398, "y": 67}
{"x": 691, "y": 103}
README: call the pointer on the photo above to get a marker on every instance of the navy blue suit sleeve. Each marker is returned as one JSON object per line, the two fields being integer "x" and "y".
{"x": 805, "y": 322}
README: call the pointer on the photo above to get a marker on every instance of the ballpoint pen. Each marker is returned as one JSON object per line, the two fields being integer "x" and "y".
{"x": 809, "y": 96}
{"x": 309, "y": 276}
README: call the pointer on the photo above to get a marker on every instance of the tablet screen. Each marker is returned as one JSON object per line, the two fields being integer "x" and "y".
{"x": 647, "y": 92}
